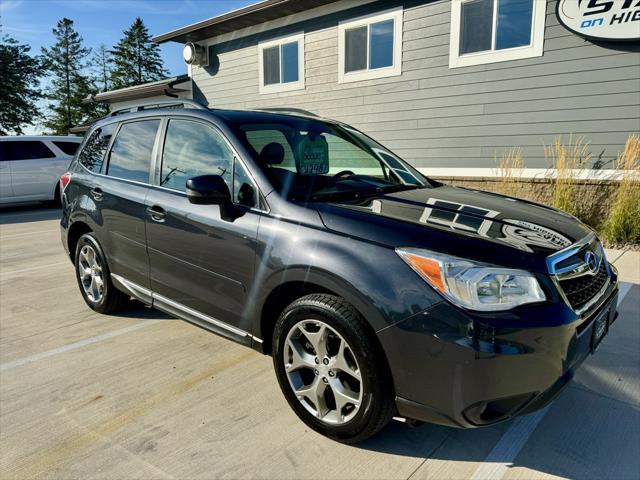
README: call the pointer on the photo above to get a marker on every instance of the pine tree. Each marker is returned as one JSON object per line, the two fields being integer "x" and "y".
{"x": 102, "y": 63}
{"x": 102, "y": 69}
{"x": 19, "y": 91}
{"x": 65, "y": 61}
{"x": 137, "y": 59}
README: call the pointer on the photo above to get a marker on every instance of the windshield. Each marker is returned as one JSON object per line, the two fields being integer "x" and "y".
{"x": 312, "y": 160}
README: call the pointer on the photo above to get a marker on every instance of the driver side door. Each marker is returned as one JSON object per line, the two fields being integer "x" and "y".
{"x": 201, "y": 264}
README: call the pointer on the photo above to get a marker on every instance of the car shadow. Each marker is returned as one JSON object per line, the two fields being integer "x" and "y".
{"x": 583, "y": 435}
{"x": 137, "y": 310}
{"x": 28, "y": 213}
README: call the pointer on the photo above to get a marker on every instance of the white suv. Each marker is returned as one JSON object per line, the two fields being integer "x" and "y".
{"x": 30, "y": 167}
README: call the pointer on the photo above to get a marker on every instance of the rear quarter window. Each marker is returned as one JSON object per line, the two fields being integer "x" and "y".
{"x": 92, "y": 154}
{"x": 26, "y": 150}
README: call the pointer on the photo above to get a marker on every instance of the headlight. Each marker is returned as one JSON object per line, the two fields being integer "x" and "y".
{"x": 473, "y": 285}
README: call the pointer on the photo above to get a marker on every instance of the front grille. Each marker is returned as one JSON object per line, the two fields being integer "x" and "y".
{"x": 580, "y": 290}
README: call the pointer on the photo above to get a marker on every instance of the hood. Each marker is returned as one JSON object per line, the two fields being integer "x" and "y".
{"x": 453, "y": 215}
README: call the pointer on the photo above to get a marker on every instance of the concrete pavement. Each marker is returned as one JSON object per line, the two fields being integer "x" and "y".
{"x": 142, "y": 395}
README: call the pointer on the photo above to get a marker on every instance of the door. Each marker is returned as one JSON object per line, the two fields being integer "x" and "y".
{"x": 197, "y": 258}
{"x": 120, "y": 197}
{"x": 6, "y": 192}
{"x": 35, "y": 170}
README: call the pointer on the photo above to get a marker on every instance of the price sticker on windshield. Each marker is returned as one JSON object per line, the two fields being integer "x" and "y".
{"x": 313, "y": 156}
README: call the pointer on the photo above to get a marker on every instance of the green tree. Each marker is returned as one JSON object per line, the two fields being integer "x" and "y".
{"x": 19, "y": 91}
{"x": 102, "y": 69}
{"x": 66, "y": 61}
{"x": 137, "y": 59}
{"x": 102, "y": 63}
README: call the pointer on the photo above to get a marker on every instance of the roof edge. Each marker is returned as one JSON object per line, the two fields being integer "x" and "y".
{"x": 137, "y": 91}
{"x": 255, "y": 7}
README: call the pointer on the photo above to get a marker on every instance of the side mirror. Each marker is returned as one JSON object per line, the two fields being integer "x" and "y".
{"x": 208, "y": 190}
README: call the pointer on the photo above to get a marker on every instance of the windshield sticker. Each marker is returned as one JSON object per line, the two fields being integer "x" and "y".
{"x": 313, "y": 156}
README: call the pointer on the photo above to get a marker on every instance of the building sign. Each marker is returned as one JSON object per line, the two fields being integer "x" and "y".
{"x": 609, "y": 20}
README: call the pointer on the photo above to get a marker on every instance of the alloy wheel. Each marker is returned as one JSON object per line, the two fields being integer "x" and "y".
{"x": 323, "y": 371}
{"x": 90, "y": 273}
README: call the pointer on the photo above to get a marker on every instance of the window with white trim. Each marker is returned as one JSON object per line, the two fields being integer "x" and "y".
{"x": 281, "y": 64}
{"x": 370, "y": 47}
{"x": 488, "y": 31}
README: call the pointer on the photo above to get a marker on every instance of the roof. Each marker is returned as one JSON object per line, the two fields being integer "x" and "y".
{"x": 243, "y": 17}
{"x": 159, "y": 87}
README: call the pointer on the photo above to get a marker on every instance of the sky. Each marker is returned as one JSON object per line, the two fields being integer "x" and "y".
{"x": 103, "y": 21}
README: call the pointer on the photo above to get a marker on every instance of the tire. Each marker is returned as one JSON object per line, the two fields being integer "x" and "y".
{"x": 301, "y": 326}
{"x": 91, "y": 266}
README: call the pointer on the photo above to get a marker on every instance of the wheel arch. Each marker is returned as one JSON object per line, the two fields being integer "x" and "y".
{"x": 296, "y": 283}
{"x": 76, "y": 230}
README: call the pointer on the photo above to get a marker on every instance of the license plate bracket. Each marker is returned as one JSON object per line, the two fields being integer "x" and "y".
{"x": 600, "y": 328}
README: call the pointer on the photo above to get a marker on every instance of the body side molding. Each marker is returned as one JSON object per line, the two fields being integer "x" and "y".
{"x": 178, "y": 310}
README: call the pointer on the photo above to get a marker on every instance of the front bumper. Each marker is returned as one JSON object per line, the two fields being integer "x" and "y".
{"x": 453, "y": 369}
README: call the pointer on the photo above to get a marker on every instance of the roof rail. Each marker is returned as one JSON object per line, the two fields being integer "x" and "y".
{"x": 298, "y": 111}
{"x": 182, "y": 103}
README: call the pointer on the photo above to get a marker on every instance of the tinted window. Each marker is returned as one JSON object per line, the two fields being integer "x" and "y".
{"x": 192, "y": 149}
{"x": 67, "y": 147}
{"x": 26, "y": 150}
{"x": 244, "y": 190}
{"x": 355, "y": 49}
{"x": 92, "y": 154}
{"x": 476, "y": 26}
{"x": 131, "y": 152}
{"x": 271, "y": 59}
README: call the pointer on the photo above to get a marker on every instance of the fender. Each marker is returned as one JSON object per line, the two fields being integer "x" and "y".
{"x": 326, "y": 280}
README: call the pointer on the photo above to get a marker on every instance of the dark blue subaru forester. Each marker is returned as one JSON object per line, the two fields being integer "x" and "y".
{"x": 377, "y": 291}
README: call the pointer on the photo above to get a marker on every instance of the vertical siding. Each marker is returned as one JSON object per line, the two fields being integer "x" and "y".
{"x": 440, "y": 117}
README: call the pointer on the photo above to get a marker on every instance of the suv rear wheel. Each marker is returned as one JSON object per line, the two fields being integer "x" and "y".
{"x": 331, "y": 370}
{"x": 94, "y": 280}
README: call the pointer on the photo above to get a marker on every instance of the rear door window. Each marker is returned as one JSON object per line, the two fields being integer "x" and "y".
{"x": 27, "y": 150}
{"x": 92, "y": 154}
{"x": 67, "y": 147}
{"x": 130, "y": 156}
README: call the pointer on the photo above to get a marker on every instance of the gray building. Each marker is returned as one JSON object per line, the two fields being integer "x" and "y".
{"x": 447, "y": 85}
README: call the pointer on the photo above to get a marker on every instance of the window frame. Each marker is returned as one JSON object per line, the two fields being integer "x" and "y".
{"x": 395, "y": 14}
{"x": 261, "y": 206}
{"x": 288, "y": 86}
{"x": 534, "y": 49}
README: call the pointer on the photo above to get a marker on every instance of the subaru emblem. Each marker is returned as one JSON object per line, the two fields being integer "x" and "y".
{"x": 592, "y": 260}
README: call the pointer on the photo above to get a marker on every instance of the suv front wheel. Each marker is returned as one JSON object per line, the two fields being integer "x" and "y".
{"x": 94, "y": 280}
{"x": 331, "y": 370}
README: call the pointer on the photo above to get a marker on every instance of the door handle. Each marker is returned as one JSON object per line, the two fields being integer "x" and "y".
{"x": 157, "y": 213}
{"x": 96, "y": 193}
